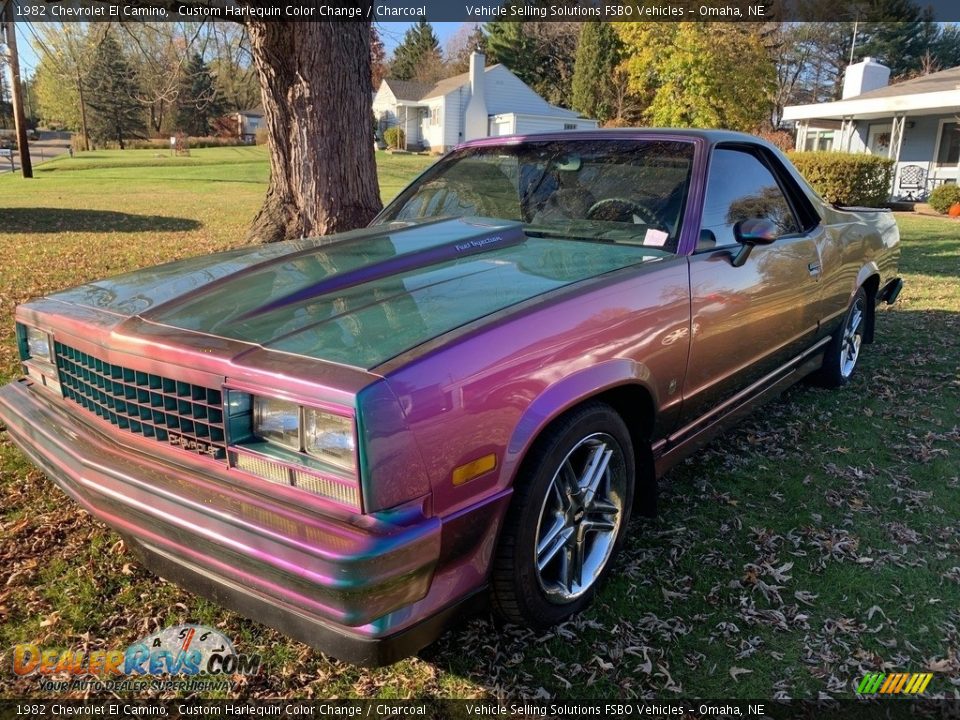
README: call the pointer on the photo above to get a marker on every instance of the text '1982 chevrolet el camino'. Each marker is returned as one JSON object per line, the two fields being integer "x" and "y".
{"x": 350, "y": 438}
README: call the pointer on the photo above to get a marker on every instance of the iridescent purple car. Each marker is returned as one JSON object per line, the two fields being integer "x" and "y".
{"x": 351, "y": 438}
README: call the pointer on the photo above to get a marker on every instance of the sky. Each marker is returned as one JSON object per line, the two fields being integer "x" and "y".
{"x": 391, "y": 33}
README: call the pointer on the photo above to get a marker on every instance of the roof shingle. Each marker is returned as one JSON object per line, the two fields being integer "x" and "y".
{"x": 934, "y": 82}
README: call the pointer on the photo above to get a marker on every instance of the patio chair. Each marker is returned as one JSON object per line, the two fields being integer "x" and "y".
{"x": 913, "y": 179}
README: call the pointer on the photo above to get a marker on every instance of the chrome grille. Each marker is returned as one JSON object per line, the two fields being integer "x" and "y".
{"x": 187, "y": 416}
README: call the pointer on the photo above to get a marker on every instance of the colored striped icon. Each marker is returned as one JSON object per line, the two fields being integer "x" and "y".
{"x": 894, "y": 684}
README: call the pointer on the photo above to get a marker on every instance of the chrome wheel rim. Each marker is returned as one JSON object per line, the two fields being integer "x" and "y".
{"x": 852, "y": 338}
{"x": 580, "y": 518}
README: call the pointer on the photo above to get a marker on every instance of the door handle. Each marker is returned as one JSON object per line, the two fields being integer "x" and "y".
{"x": 814, "y": 268}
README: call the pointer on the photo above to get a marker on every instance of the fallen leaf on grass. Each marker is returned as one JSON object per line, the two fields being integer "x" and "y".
{"x": 944, "y": 665}
{"x": 736, "y": 671}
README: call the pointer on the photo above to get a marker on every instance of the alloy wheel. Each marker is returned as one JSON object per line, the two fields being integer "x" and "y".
{"x": 580, "y": 518}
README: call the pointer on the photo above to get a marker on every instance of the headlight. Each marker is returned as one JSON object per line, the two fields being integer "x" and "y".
{"x": 330, "y": 438}
{"x": 277, "y": 420}
{"x": 38, "y": 344}
{"x": 290, "y": 444}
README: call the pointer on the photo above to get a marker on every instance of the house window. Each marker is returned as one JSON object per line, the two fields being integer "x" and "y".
{"x": 949, "y": 152}
{"x": 435, "y": 116}
{"x": 569, "y": 126}
{"x": 818, "y": 140}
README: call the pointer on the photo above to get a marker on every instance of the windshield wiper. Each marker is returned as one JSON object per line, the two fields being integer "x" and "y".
{"x": 565, "y": 236}
{"x": 632, "y": 241}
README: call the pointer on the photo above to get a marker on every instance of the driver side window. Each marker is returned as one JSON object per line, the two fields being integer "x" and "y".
{"x": 739, "y": 187}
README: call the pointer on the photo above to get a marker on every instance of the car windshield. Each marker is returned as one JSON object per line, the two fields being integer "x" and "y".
{"x": 626, "y": 191}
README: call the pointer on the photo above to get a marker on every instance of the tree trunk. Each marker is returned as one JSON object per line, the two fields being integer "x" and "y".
{"x": 315, "y": 85}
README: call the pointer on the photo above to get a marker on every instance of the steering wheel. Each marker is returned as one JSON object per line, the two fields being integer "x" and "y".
{"x": 617, "y": 209}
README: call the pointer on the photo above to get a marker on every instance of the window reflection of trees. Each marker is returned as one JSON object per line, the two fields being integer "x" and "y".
{"x": 768, "y": 204}
{"x": 479, "y": 188}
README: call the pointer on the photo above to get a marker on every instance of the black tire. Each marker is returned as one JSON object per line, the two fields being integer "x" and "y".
{"x": 843, "y": 352}
{"x": 523, "y": 592}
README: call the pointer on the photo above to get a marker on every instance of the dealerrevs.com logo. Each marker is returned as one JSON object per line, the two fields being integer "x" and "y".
{"x": 183, "y": 657}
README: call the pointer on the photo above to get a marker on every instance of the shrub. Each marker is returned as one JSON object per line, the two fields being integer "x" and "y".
{"x": 847, "y": 178}
{"x": 943, "y": 196}
{"x": 262, "y": 136}
{"x": 781, "y": 138}
{"x": 394, "y": 137}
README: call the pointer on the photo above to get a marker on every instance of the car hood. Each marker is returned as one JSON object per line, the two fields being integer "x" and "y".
{"x": 359, "y": 298}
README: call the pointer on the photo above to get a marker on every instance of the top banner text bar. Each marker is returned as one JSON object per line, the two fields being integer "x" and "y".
{"x": 458, "y": 11}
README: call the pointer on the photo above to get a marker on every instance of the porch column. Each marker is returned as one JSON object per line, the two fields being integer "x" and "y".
{"x": 896, "y": 138}
{"x": 851, "y": 131}
{"x": 801, "y": 141}
{"x": 893, "y": 152}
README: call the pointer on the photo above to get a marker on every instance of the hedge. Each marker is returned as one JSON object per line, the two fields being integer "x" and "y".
{"x": 847, "y": 178}
{"x": 163, "y": 143}
{"x": 943, "y": 197}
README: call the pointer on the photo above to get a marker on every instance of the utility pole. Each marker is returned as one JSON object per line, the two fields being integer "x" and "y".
{"x": 20, "y": 121}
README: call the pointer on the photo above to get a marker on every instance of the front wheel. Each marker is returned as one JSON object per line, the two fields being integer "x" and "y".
{"x": 568, "y": 517}
{"x": 843, "y": 352}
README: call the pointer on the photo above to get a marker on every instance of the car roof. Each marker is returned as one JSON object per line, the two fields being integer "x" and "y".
{"x": 711, "y": 137}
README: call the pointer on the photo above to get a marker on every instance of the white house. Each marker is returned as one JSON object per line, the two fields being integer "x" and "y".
{"x": 484, "y": 102}
{"x": 916, "y": 122}
{"x": 243, "y": 124}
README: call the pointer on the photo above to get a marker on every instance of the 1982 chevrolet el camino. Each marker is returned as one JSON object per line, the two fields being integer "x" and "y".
{"x": 351, "y": 438}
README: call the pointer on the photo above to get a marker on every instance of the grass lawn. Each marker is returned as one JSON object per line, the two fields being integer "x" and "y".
{"x": 818, "y": 541}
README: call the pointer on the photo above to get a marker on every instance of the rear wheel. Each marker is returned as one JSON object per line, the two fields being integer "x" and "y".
{"x": 567, "y": 520}
{"x": 843, "y": 352}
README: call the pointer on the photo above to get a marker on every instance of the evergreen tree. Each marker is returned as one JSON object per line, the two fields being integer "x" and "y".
{"x": 116, "y": 113}
{"x": 419, "y": 48}
{"x": 898, "y": 34}
{"x": 946, "y": 50}
{"x": 198, "y": 103}
{"x": 507, "y": 43}
{"x": 598, "y": 56}
{"x": 542, "y": 54}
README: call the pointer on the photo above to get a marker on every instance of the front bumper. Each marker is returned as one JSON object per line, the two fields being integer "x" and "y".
{"x": 359, "y": 590}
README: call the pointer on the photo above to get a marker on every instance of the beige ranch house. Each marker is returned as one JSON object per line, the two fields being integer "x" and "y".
{"x": 487, "y": 101}
{"x": 916, "y": 123}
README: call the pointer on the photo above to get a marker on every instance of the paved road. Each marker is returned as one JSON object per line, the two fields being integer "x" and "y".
{"x": 47, "y": 147}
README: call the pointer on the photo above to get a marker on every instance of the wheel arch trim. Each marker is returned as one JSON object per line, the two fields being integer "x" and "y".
{"x": 593, "y": 383}
{"x": 869, "y": 279}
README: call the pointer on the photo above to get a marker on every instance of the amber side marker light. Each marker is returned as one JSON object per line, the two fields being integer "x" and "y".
{"x": 474, "y": 469}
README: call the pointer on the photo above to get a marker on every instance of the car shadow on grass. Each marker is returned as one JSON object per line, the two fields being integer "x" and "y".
{"x": 58, "y": 220}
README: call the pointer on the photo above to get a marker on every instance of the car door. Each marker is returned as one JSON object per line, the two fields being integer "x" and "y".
{"x": 749, "y": 320}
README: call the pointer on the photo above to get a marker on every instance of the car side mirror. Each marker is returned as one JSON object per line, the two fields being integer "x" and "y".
{"x": 750, "y": 233}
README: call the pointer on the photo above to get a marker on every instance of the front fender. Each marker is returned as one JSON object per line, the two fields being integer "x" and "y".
{"x": 567, "y": 393}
